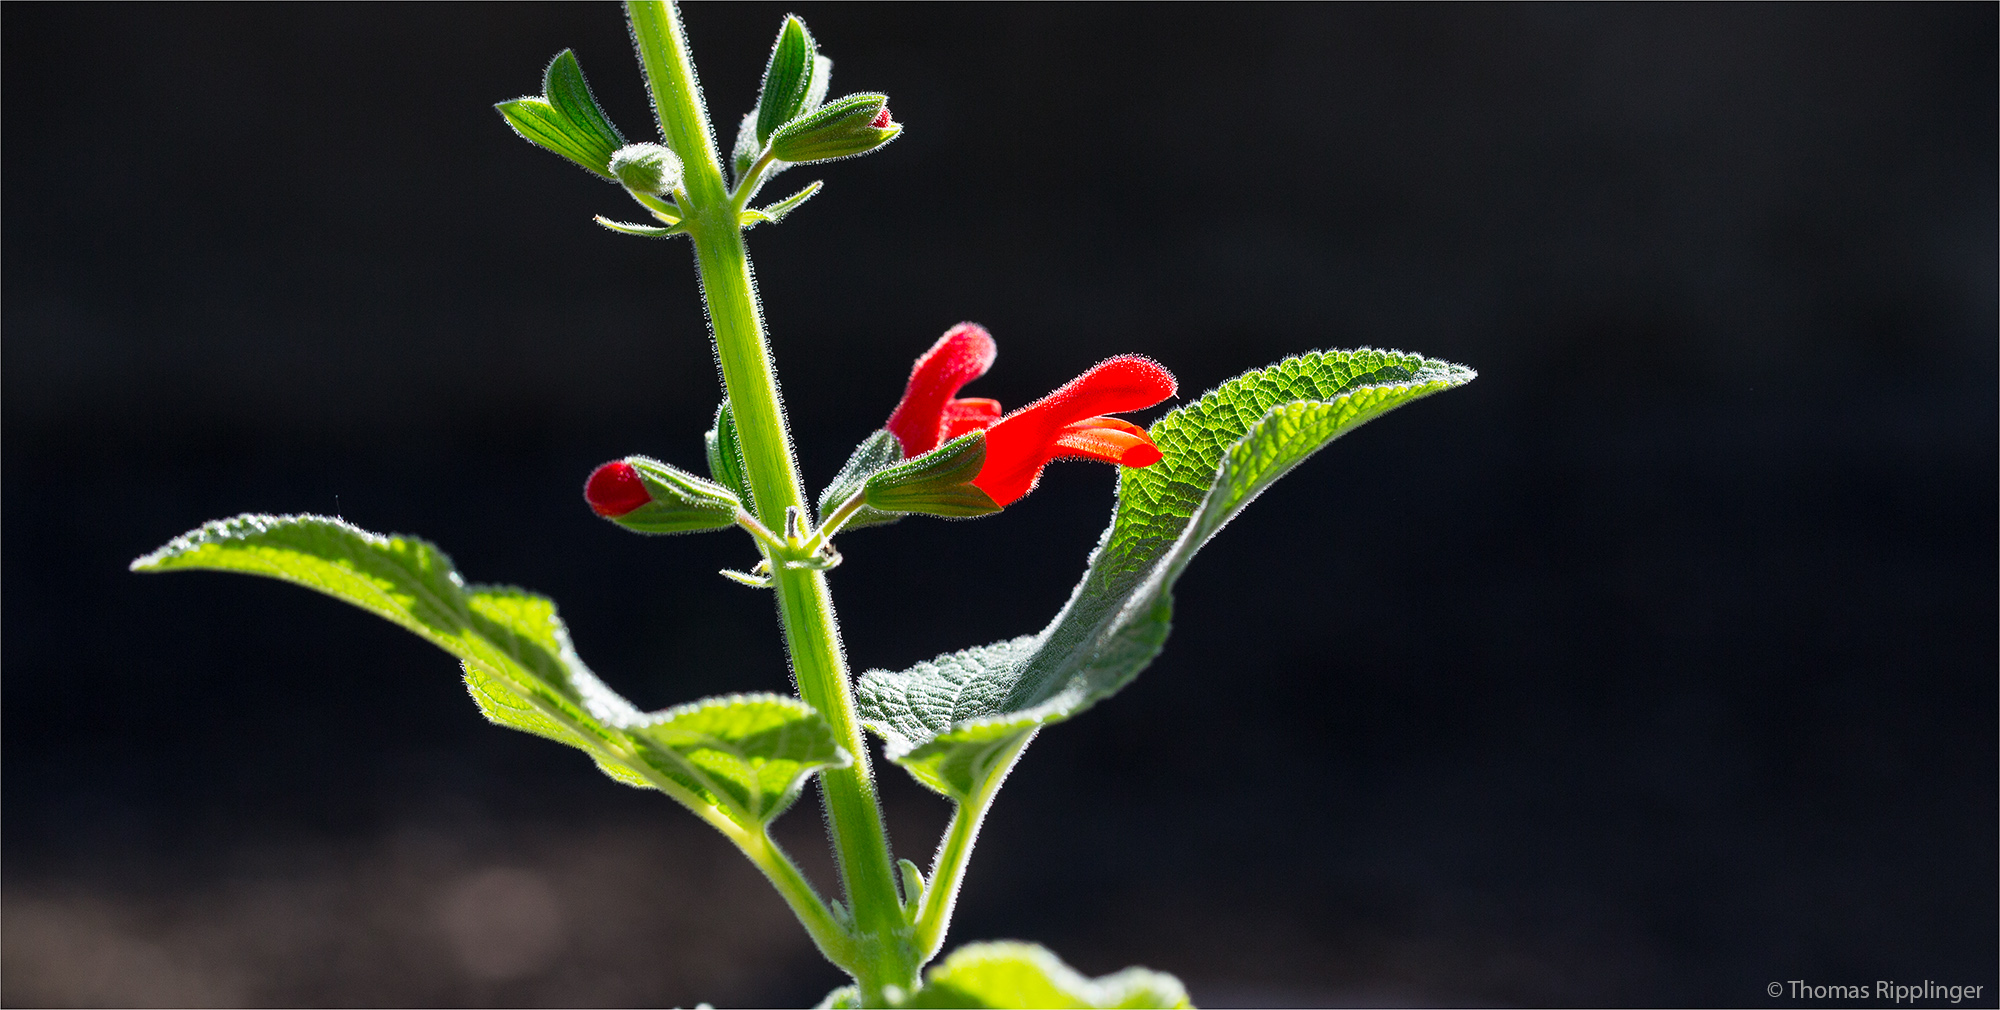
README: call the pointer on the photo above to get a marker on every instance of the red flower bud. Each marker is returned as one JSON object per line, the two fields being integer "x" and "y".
{"x": 615, "y": 489}
{"x": 881, "y": 120}
{"x": 963, "y": 354}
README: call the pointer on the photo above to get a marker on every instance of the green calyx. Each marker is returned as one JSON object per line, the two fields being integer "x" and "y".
{"x": 842, "y": 129}
{"x": 937, "y": 483}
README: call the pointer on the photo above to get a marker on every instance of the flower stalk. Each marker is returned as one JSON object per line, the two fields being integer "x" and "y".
{"x": 882, "y": 955}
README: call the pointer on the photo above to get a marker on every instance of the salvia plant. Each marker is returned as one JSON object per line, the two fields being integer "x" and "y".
{"x": 957, "y": 723}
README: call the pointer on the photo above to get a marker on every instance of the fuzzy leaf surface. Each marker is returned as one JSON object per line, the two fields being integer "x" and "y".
{"x": 742, "y": 756}
{"x": 946, "y": 719}
{"x": 1010, "y": 974}
{"x": 876, "y": 453}
{"x": 749, "y": 753}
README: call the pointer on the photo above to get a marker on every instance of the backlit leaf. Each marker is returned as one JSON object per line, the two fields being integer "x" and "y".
{"x": 787, "y": 78}
{"x": 945, "y": 719}
{"x": 742, "y": 756}
{"x": 748, "y": 753}
{"x": 1024, "y": 975}
{"x": 776, "y": 212}
{"x": 565, "y": 118}
{"x": 564, "y": 87}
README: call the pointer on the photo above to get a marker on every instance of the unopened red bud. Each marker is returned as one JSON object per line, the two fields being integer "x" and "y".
{"x": 648, "y": 496}
{"x": 881, "y": 120}
{"x": 615, "y": 489}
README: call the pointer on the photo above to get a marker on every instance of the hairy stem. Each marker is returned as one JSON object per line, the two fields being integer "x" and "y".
{"x": 948, "y": 870}
{"x": 833, "y": 941}
{"x": 883, "y": 955}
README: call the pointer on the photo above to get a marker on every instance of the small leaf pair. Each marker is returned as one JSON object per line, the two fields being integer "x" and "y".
{"x": 566, "y": 119}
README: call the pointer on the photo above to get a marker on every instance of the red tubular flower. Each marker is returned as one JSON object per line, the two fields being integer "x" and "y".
{"x": 615, "y": 489}
{"x": 1065, "y": 424}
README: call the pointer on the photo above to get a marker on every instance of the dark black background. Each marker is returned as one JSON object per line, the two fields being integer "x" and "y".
{"x": 1655, "y": 666}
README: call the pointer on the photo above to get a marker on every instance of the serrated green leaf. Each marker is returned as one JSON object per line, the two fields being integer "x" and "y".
{"x": 503, "y": 707}
{"x": 787, "y": 78}
{"x": 1010, "y": 974}
{"x": 749, "y": 753}
{"x": 876, "y": 453}
{"x": 564, "y": 87}
{"x": 941, "y": 718}
{"x": 504, "y": 634}
{"x": 742, "y": 757}
{"x": 725, "y": 457}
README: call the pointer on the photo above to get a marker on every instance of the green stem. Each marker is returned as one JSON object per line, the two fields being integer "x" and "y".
{"x": 933, "y": 920}
{"x": 833, "y": 941}
{"x": 773, "y": 547}
{"x": 837, "y": 519}
{"x": 884, "y": 955}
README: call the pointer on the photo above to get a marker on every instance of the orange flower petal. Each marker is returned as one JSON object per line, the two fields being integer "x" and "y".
{"x": 1110, "y": 446}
